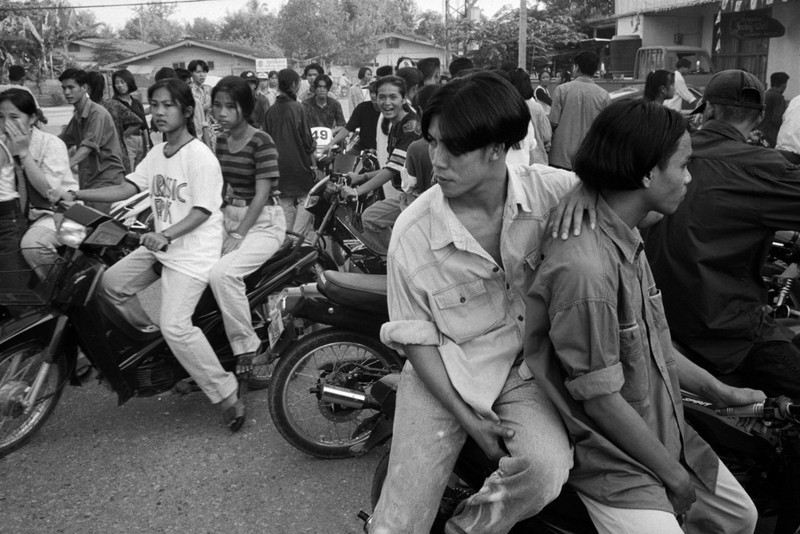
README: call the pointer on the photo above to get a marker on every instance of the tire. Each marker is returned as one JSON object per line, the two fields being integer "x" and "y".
{"x": 332, "y": 356}
{"x": 18, "y": 368}
{"x": 262, "y": 373}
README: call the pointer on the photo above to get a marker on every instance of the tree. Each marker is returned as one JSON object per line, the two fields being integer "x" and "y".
{"x": 202, "y": 28}
{"x": 311, "y": 28}
{"x": 430, "y": 25}
{"x": 108, "y": 52}
{"x": 252, "y": 26}
{"x": 580, "y": 10}
{"x": 33, "y": 36}
{"x": 490, "y": 42}
{"x": 151, "y": 24}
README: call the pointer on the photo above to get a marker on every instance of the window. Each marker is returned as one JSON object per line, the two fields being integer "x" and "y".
{"x": 210, "y": 65}
{"x": 181, "y": 65}
{"x": 392, "y": 42}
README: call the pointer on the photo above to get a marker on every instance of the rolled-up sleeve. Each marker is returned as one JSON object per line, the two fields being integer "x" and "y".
{"x": 410, "y": 319}
{"x": 585, "y": 338}
{"x": 97, "y": 130}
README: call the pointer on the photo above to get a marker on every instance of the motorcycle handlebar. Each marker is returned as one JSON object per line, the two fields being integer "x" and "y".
{"x": 774, "y": 408}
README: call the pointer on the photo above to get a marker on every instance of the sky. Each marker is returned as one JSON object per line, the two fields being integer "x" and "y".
{"x": 216, "y": 9}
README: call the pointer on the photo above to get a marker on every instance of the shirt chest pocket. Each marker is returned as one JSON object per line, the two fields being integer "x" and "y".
{"x": 466, "y": 311}
{"x": 635, "y": 367}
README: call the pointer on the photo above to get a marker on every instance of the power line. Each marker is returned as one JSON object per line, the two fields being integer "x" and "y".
{"x": 95, "y": 6}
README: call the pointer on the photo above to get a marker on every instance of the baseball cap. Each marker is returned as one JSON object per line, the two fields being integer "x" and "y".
{"x": 733, "y": 88}
{"x": 249, "y": 75}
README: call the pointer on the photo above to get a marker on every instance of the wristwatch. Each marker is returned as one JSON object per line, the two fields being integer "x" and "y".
{"x": 74, "y": 194}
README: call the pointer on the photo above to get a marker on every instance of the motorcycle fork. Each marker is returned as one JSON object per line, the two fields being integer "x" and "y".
{"x": 29, "y": 401}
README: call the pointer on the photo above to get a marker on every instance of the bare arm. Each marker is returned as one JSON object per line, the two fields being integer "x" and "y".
{"x": 111, "y": 193}
{"x": 80, "y": 154}
{"x": 697, "y": 380}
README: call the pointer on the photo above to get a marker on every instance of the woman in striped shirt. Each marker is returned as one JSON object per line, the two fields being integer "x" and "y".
{"x": 254, "y": 226}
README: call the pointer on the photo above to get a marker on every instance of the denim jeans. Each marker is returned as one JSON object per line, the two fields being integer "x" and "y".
{"x": 728, "y": 510}
{"x": 227, "y": 276}
{"x": 773, "y": 367}
{"x": 427, "y": 440}
{"x": 179, "y": 296}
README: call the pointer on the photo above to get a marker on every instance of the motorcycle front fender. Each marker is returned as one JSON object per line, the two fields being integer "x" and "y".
{"x": 39, "y": 325}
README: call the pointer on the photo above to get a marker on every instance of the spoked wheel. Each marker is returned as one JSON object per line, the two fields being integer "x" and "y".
{"x": 333, "y": 357}
{"x": 18, "y": 369}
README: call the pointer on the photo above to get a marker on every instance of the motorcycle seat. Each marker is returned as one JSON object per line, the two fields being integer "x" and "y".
{"x": 361, "y": 291}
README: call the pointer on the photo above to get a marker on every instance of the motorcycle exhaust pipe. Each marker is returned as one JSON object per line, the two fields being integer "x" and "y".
{"x": 345, "y": 397}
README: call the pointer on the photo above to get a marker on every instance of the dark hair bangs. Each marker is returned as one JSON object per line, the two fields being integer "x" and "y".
{"x": 476, "y": 111}
{"x": 181, "y": 94}
{"x": 625, "y": 142}
{"x": 239, "y": 91}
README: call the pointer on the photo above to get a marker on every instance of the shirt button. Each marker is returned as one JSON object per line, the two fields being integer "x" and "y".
{"x": 521, "y": 318}
{"x": 463, "y": 300}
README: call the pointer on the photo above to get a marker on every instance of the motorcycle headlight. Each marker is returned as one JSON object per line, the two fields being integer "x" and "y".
{"x": 71, "y": 233}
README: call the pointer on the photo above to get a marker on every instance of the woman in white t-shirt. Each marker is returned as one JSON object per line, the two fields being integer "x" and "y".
{"x": 185, "y": 184}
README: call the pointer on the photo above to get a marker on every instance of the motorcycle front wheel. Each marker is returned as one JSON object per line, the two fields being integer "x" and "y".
{"x": 327, "y": 357}
{"x": 18, "y": 369}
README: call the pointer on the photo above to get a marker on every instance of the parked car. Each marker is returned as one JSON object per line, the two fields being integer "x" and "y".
{"x": 637, "y": 91}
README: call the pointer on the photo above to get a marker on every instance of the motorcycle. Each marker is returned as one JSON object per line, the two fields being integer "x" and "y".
{"x": 320, "y": 368}
{"x": 38, "y": 350}
{"x": 339, "y": 220}
{"x": 780, "y": 276}
{"x": 758, "y": 443}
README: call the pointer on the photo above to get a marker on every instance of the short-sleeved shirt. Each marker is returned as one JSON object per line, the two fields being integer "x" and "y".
{"x": 257, "y": 160}
{"x": 287, "y": 124}
{"x": 94, "y": 128}
{"x": 365, "y": 118}
{"x": 707, "y": 256}
{"x": 401, "y": 135}
{"x": 445, "y": 290}
{"x": 575, "y": 106}
{"x": 596, "y": 326}
{"x": 328, "y": 116}
{"x": 789, "y": 133}
{"x": 189, "y": 179}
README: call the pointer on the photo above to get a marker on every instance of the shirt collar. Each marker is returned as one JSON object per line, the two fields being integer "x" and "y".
{"x": 445, "y": 226}
{"x": 628, "y": 240}
{"x": 724, "y": 129}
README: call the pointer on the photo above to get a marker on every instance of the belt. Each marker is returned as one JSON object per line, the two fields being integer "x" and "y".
{"x": 237, "y": 202}
{"x": 9, "y": 206}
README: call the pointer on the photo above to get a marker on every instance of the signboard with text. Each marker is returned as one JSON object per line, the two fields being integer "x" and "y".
{"x": 263, "y": 66}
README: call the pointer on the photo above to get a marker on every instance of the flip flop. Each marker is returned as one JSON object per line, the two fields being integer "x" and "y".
{"x": 234, "y": 415}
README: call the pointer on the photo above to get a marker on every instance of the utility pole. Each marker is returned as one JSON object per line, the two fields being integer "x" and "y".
{"x": 455, "y": 10}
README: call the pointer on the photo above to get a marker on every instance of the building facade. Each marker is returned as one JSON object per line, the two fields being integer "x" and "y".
{"x": 394, "y": 45}
{"x": 760, "y": 36}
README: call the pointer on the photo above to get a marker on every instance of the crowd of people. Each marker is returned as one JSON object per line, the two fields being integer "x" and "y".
{"x": 554, "y": 355}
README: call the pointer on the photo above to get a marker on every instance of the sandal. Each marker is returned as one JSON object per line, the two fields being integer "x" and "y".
{"x": 234, "y": 415}
{"x": 244, "y": 365}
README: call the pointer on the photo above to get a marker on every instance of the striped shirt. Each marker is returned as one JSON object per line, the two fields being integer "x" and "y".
{"x": 258, "y": 160}
{"x": 402, "y": 134}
